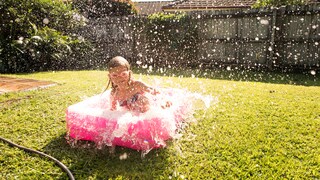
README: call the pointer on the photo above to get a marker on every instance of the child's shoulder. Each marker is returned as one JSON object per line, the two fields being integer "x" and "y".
{"x": 140, "y": 85}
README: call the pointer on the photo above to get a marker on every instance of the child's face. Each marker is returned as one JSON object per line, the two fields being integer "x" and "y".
{"x": 119, "y": 75}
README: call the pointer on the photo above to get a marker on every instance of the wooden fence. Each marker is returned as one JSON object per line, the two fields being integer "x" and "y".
{"x": 283, "y": 37}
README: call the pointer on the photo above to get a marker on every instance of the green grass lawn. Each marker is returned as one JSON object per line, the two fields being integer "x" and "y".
{"x": 265, "y": 126}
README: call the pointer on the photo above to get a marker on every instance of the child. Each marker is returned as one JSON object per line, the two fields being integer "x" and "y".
{"x": 127, "y": 92}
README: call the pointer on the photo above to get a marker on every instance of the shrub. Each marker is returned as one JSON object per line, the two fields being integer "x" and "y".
{"x": 101, "y": 8}
{"x": 277, "y": 3}
{"x": 169, "y": 29}
{"x": 36, "y": 34}
{"x": 173, "y": 34}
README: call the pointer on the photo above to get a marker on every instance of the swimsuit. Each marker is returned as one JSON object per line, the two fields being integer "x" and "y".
{"x": 129, "y": 101}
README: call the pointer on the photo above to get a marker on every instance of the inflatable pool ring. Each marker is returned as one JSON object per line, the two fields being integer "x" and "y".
{"x": 93, "y": 120}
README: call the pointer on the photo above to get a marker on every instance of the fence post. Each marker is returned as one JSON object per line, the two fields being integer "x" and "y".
{"x": 272, "y": 39}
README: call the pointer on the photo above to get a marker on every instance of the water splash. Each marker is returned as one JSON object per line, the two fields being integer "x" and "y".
{"x": 313, "y": 72}
{"x": 93, "y": 120}
{"x": 123, "y": 156}
{"x": 45, "y": 21}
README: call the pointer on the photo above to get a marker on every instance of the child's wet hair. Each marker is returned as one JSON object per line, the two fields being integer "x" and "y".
{"x": 118, "y": 61}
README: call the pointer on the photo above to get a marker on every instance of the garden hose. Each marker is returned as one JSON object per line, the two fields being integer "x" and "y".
{"x": 60, "y": 164}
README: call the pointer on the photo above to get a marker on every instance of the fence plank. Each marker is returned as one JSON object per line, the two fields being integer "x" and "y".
{"x": 287, "y": 36}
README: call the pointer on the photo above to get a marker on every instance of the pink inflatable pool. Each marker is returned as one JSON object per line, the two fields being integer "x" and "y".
{"x": 93, "y": 120}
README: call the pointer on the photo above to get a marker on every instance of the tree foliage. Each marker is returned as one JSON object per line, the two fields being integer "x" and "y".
{"x": 36, "y": 34}
{"x": 171, "y": 35}
{"x": 277, "y": 3}
{"x": 103, "y": 8}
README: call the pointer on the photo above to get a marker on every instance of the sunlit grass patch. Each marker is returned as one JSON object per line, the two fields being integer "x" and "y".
{"x": 259, "y": 129}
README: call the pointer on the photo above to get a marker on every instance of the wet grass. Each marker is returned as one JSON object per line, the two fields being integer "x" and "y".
{"x": 259, "y": 130}
{"x": 308, "y": 77}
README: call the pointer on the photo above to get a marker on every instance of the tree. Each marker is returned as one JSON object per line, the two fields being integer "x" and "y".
{"x": 277, "y": 3}
{"x": 102, "y": 8}
{"x": 36, "y": 34}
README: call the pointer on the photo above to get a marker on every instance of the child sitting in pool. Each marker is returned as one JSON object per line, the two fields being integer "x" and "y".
{"x": 127, "y": 92}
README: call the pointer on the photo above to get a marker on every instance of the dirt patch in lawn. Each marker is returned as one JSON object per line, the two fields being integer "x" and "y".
{"x": 10, "y": 84}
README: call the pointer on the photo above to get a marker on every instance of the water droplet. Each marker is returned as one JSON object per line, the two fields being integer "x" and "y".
{"x": 150, "y": 68}
{"x": 45, "y": 21}
{"x": 123, "y": 156}
{"x": 80, "y": 38}
{"x": 36, "y": 37}
{"x": 20, "y": 40}
{"x": 313, "y": 72}
{"x": 264, "y": 22}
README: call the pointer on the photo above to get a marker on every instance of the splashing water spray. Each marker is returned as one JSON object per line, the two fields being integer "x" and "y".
{"x": 92, "y": 120}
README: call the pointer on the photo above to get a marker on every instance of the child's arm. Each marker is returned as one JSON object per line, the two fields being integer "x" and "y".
{"x": 142, "y": 104}
{"x": 153, "y": 91}
{"x": 140, "y": 86}
{"x": 113, "y": 101}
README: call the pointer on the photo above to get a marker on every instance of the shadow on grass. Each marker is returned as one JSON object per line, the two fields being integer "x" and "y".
{"x": 91, "y": 162}
{"x": 293, "y": 77}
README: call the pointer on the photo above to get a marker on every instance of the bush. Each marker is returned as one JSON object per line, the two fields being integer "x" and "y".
{"x": 277, "y": 3}
{"x": 174, "y": 35}
{"x": 166, "y": 29}
{"x": 36, "y": 35}
{"x": 101, "y": 8}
